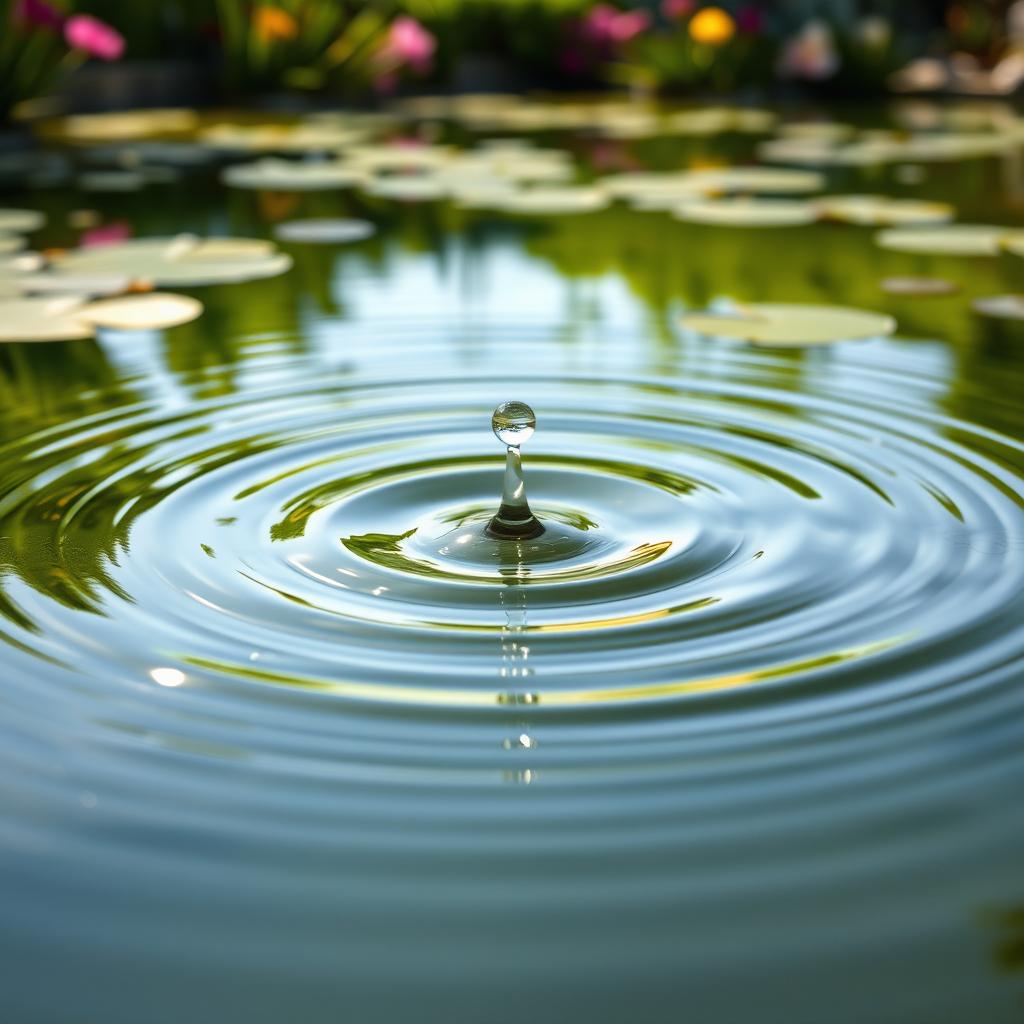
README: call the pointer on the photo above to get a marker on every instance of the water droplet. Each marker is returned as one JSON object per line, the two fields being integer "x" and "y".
{"x": 513, "y": 423}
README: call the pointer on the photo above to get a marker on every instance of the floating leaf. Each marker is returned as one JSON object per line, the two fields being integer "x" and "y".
{"x": 771, "y": 180}
{"x": 823, "y": 131}
{"x": 182, "y": 261}
{"x": 155, "y": 311}
{"x": 881, "y": 210}
{"x": 275, "y": 175}
{"x": 324, "y": 231}
{"x": 779, "y": 324}
{"x": 1001, "y": 307}
{"x": 953, "y": 240}
{"x": 555, "y": 200}
{"x": 408, "y": 187}
{"x": 20, "y": 221}
{"x": 755, "y": 213}
{"x": 919, "y": 286}
{"x": 43, "y": 319}
{"x": 132, "y": 124}
{"x": 10, "y": 243}
{"x": 74, "y": 284}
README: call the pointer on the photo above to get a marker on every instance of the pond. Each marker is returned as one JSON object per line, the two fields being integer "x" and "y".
{"x": 274, "y": 748}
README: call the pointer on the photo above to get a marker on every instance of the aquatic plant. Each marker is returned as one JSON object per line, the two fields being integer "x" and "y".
{"x": 40, "y": 41}
{"x": 310, "y": 46}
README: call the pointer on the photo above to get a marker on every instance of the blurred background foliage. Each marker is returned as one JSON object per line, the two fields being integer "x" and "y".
{"x": 360, "y": 50}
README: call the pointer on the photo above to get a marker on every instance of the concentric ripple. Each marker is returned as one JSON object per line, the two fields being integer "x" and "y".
{"x": 712, "y": 535}
{"x": 766, "y": 667}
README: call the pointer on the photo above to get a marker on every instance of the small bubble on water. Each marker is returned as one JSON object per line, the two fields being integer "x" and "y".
{"x": 513, "y": 423}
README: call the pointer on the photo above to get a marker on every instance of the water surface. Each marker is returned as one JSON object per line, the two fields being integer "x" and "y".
{"x": 754, "y": 752}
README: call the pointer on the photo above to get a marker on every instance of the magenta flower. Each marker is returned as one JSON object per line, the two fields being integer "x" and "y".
{"x": 105, "y": 234}
{"x": 676, "y": 10}
{"x": 94, "y": 37}
{"x": 409, "y": 43}
{"x": 605, "y": 25}
{"x": 629, "y": 24}
{"x": 40, "y": 13}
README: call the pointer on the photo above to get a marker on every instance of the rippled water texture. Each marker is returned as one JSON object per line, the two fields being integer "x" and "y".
{"x": 276, "y": 744}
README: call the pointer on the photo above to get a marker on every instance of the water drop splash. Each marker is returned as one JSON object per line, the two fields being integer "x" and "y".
{"x": 513, "y": 423}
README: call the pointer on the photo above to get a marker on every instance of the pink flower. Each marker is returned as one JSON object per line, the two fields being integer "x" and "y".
{"x": 810, "y": 54}
{"x": 597, "y": 22}
{"x": 629, "y": 24}
{"x": 605, "y": 25}
{"x": 105, "y": 234}
{"x": 676, "y": 10}
{"x": 94, "y": 37}
{"x": 409, "y": 43}
{"x": 39, "y": 12}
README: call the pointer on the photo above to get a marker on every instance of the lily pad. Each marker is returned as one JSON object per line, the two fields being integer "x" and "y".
{"x": 74, "y": 284}
{"x": 754, "y": 213}
{"x": 131, "y": 124}
{"x": 768, "y": 180}
{"x": 10, "y": 243}
{"x": 555, "y": 200}
{"x": 21, "y": 221}
{"x": 953, "y": 240}
{"x": 182, "y": 261}
{"x": 924, "y": 286}
{"x": 154, "y": 311}
{"x": 272, "y": 174}
{"x": 881, "y": 210}
{"x": 785, "y": 325}
{"x": 1014, "y": 243}
{"x": 43, "y": 319}
{"x": 1001, "y": 307}
{"x": 324, "y": 231}
{"x": 407, "y": 187}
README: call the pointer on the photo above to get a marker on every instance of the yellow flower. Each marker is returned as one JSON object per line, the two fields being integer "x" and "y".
{"x": 273, "y": 23}
{"x": 712, "y": 26}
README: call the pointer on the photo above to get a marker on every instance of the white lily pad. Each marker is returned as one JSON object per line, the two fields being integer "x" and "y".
{"x": 324, "y": 231}
{"x": 708, "y": 121}
{"x": 407, "y": 187}
{"x": 1000, "y": 307}
{"x": 182, "y": 261}
{"x": 881, "y": 210}
{"x": 10, "y": 243}
{"x": 43, "y": 319}
{"x": 555, "y": 200}
{"x": 925, "y": 286}
{"x": 280, "y": 138}
{"x": 131, "y": 124}
{"x": 152, "y": 311}
{"x": 742, "y": 212}
{"x": 272, "y": 174}
{"x": 74, "y": 284}
{"x": 378, "y": 159}
{"x": 779, "y": 324}
{"x": 824, "y": 131}
{"x": 767, "y": 180}
{"x": 1014, "y": 243}
{"x": 952, "y": 240}
{"x": 21, "y": 221}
